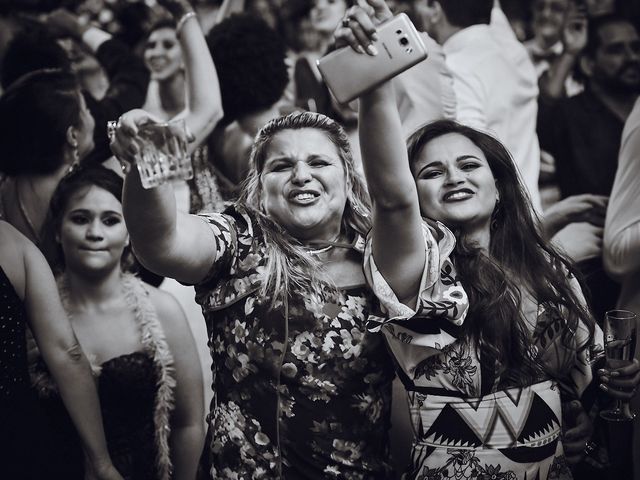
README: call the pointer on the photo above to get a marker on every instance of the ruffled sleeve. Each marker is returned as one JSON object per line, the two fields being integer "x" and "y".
{"x": 414, "y": 335}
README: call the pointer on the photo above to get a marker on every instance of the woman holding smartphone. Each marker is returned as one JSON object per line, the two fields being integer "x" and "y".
{"x": 486, "y": 395}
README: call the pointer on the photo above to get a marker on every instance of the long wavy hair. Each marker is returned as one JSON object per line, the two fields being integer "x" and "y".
{"x": 290, "y": 267}
{"x": 519, "y": 260}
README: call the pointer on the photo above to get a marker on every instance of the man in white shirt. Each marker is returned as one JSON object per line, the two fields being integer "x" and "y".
{"x": 493, "y": 78}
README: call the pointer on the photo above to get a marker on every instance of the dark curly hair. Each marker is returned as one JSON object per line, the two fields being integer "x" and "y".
{"x": 35, "y": 113}
{"x": 33, "y": 48}
{"x": 250, "y": 60}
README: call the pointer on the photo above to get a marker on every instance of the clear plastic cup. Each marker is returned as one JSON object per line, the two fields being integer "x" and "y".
{"x": 163, "y": 153}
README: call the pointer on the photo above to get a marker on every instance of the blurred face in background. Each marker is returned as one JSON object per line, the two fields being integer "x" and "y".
{"x": 548, "y": 20}
{"x": 616, "y": 63}
{"x": 327, "y": 14}
{"x": 162, "y": 54}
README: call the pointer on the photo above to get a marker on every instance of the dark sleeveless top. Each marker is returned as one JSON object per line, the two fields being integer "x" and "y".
{"x": 28, "y": 449}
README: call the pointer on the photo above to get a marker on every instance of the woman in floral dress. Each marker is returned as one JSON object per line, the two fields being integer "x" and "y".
{"x": 302, "y": 389}
{"x": 484, "y": 393}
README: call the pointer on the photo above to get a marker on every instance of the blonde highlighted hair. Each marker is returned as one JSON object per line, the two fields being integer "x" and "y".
{"x": 289, "y": 266}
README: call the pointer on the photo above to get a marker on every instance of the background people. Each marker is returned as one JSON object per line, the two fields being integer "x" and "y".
{"x": 135, "y": 336}
{"x": 29, "y": 296}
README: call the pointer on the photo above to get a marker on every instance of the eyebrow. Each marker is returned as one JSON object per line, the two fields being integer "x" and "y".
{"x": 86, "y": 210}
{"x": 287, "y": 158}
{"x": 438, "y": 163}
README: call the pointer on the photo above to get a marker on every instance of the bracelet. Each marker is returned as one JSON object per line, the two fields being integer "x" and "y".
{"x": 183, "y": 20}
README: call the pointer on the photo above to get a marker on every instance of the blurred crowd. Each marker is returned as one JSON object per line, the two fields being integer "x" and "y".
{"x": 557, "y": 82}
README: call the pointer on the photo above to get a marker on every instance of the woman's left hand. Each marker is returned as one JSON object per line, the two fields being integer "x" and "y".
{"x": 576, "y": 432}
{"x": 621, "y": 383}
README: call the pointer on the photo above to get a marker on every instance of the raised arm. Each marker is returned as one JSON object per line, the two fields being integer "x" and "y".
{"x": 574, "y": 39}
{"x": 204, "y": 103}
{"x": 170, "y": 243}
{"x": 128, "y": 77}
{"x": 33, "y": 281}
{"x": 398, "y": 243}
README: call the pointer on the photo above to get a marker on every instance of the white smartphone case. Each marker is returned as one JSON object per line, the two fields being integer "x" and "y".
{"x": 348, "y": 74}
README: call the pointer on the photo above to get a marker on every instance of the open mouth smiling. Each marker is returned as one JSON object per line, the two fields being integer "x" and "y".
{"x": 458, "y": 195}
{"x": 303, "y": 196}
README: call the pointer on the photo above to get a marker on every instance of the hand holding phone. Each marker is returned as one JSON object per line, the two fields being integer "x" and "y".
{"x": 390, "y": 49}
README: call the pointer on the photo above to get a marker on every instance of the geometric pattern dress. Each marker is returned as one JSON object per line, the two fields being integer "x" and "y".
{"x": 466, "y": 425}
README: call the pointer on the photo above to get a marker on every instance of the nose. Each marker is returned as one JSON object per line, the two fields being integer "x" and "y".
{"x": 632, "y": 53}
{"x": 301, "y": 173}
{"x": 453, "y": 177}
{"x": 94, "y": 231}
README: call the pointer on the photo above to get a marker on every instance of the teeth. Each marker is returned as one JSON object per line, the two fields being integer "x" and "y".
{"x": 304, "y": 196}
{"x": 458, "y": 195}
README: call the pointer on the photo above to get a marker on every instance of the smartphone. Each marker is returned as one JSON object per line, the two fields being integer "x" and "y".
{"x": 348, "y": 74}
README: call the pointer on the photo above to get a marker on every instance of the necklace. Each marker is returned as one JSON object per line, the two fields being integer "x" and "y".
{"x": 319, "y": 250}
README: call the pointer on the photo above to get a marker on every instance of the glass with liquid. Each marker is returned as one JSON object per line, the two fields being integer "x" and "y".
{"x": 619, "y": 344}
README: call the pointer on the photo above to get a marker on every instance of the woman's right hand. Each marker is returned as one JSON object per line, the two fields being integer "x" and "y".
{"x": 125, "y": 142}
{"x": 101, "y": 470}
{"x": 177, "y": 8}
{"x": 358, "y": 27}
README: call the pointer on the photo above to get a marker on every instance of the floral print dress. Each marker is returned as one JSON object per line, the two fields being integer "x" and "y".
{"x": 467, "y": 424}
{"x": 301, "y": 390}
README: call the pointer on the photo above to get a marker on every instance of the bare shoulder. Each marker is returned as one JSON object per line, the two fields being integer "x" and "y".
{"x": 167, "y": 307}
{"x": 14, "y": 249}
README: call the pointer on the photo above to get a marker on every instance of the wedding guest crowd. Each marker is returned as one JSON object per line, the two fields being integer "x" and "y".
{"x": 411, "y": 285}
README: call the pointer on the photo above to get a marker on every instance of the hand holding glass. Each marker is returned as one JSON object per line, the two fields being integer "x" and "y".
{"x": 619, "y": 343}
{"x": 163, "y": 153}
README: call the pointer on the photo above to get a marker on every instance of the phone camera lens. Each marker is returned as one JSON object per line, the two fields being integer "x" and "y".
{"x": 404, "y": 41}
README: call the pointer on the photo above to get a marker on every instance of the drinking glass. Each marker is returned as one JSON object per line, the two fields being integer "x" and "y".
{"x": 163, "y": 153}
{"x": 619, "y": 345}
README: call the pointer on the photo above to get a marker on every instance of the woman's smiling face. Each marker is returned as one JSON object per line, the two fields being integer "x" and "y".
{"x": 162, "y": 54}
{"x": 304, "y": 186}
{"x": 455, "y": 183}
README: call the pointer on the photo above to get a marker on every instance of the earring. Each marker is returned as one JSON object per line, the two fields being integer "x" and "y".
{"x": 75, "y": 152}
{"x": 494, "y": 214}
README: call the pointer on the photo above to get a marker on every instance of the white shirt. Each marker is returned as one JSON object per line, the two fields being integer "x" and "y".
{"x": 622, "y": 225}
{"x": 424, "y": 93}
{"x": 497, "y": 91}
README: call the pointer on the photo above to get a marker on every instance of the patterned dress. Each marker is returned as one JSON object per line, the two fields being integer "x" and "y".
{"x": 302, "y": 390}
{"x": 466, "y": 425}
